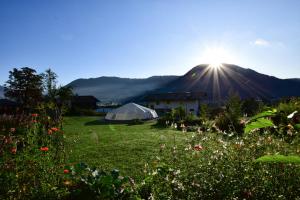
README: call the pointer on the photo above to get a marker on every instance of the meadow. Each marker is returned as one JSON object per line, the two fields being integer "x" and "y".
{"x": 122, "y": 146}
{"x": 84, "y": 157}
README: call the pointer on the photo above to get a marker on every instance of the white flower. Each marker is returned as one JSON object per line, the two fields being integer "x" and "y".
{"x": 290, "y": 116}
{"x": 95, "y": 173}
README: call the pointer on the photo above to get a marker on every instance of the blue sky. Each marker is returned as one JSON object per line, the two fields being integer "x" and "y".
{"x": 141, "y": 38}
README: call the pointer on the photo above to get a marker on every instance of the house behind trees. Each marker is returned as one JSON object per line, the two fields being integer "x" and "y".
{"x": 165, "y": 102}
{"x": 84, "y": 102}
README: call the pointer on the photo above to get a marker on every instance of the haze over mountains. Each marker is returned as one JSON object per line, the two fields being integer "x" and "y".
{"x": 117, "y": 89}
{"x": 218, "y": 83}
{"x": 1, "y": 92}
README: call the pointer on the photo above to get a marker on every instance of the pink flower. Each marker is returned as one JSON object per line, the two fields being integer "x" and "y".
{"x": 44, "y": 149}
{"x": 12, "y": 130}
{"x": 198, "y": 147}
{"x": 49, "y": 132}
{"x": 13, "y": 150}
{"x": 54, "y": 129}
{"x": 34, "y": 115}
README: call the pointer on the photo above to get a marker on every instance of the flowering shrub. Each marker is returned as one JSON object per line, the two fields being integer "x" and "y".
{"x": 31, "y": 159}
{"x": 214, "y": 166}
{"x": 84, "y": 182}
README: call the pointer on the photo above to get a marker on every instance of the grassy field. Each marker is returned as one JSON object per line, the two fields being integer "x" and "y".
{"x": 116, "y": 146}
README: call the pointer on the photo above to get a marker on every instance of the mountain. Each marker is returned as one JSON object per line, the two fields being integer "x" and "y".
{"x": 1, "y": 92}
{"x": 118, "y": 89}
{"x": 217, "y": 82}
{"x": 220, "y": 82}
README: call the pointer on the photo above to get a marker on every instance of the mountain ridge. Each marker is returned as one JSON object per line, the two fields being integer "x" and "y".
{"x": 217, "y": 83}
{"x": 123, "y": 88}
{"x": 1, "y": 92}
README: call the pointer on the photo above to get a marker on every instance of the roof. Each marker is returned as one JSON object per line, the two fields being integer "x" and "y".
{"x": 6, "y": 102}
{"x": 131, "y": 111}
{"x": 176, "y": 96}
{"x": 85, "y": 98}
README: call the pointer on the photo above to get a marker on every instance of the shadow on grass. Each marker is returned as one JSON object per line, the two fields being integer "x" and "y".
{"x": 96, "y": 122}
{"x": 104, "y": 122}
{"x": 158, "y": 126}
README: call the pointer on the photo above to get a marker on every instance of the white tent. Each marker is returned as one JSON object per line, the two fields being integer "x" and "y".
{"x": 131, "y": 111}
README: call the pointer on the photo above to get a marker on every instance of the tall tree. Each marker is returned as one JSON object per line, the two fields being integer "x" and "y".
{"x": 24, "y": 86}
{"x": 50, "y": 83}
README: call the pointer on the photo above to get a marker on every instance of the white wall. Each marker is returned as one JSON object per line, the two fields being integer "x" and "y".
{"x": 187, "y": 105}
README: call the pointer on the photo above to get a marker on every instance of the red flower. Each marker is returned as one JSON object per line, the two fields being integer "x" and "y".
{"x": 198, "y": 147}
{"x": 12, "y": 130}
{"x": 54, "y": 129}
{"x": 44, "y": 149}
{"x": 13, "y": 150}
{"x": 66, "y": 171}
{"x": 34, "y": 115}
{"x": 49, "y": 132}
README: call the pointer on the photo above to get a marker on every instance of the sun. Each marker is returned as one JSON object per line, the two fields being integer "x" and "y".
{"x": 215, "y": 66}
{"x": 215, "y": 56}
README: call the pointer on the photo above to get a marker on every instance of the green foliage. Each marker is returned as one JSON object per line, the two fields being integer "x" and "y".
{"x": 279, "y": 159}
{"x": 24, "y": 86}
{"x": 50, "y": 83}
{"x": 31, "y": 152}
{"x": 57, "y": 99}
{"x": 233, "y": 107}
{"x": 268, "y": 113}
{"x": 229, "y": 120}
{"x": 183, "y": 120}
{"x": 203, "y": 111}
{"x": 91, "y": 183}
{"x": 257, "y": 124}
{"x": 223, "y": 169}
{"x": 251, "y": 106}
{"x": 297, "y": 127}
{"x": 178, "y": 114}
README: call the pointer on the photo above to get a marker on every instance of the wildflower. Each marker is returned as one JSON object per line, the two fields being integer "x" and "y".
{"x": 34, "y": 121}
{"x": 49, "y": 132}
{"x": 290, "y": 116}
{"x": 175, "y": 126}
{"x": 198, "y": 147}
{"x": 66, "y": 182}
{"x": 289, "y": 126}
{"x": 54, "y": 129}
{"x": 7, "y": 140}
{"x": 44, "y": 149}
{"x": 12, "y": 130}
{"x": 95, "y": 173}
{"x": 13, "y": 150}
{"x": 34, "y": 115}
{"x": 66, "y": 171}
{"x": 162, "y": 147}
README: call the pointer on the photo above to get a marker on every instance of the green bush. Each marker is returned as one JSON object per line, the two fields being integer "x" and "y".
{"x": 32, "y": 152}
{"x": 213, "y": 167}
{"x": 83, "y": 112}
{"x": 84, "y": 182}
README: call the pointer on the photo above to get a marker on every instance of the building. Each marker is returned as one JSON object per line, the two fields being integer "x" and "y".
{"x": 84, "y": 102}
{"x": 165, "y": 102}
{"x": 8, "y": 106}
{"x": 107, "y": 107}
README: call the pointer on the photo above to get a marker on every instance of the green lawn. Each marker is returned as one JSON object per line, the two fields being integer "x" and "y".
{"x": 116, "y": 146}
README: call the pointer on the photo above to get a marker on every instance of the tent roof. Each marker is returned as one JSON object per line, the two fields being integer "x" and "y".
{"x": 131, "y": 111}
